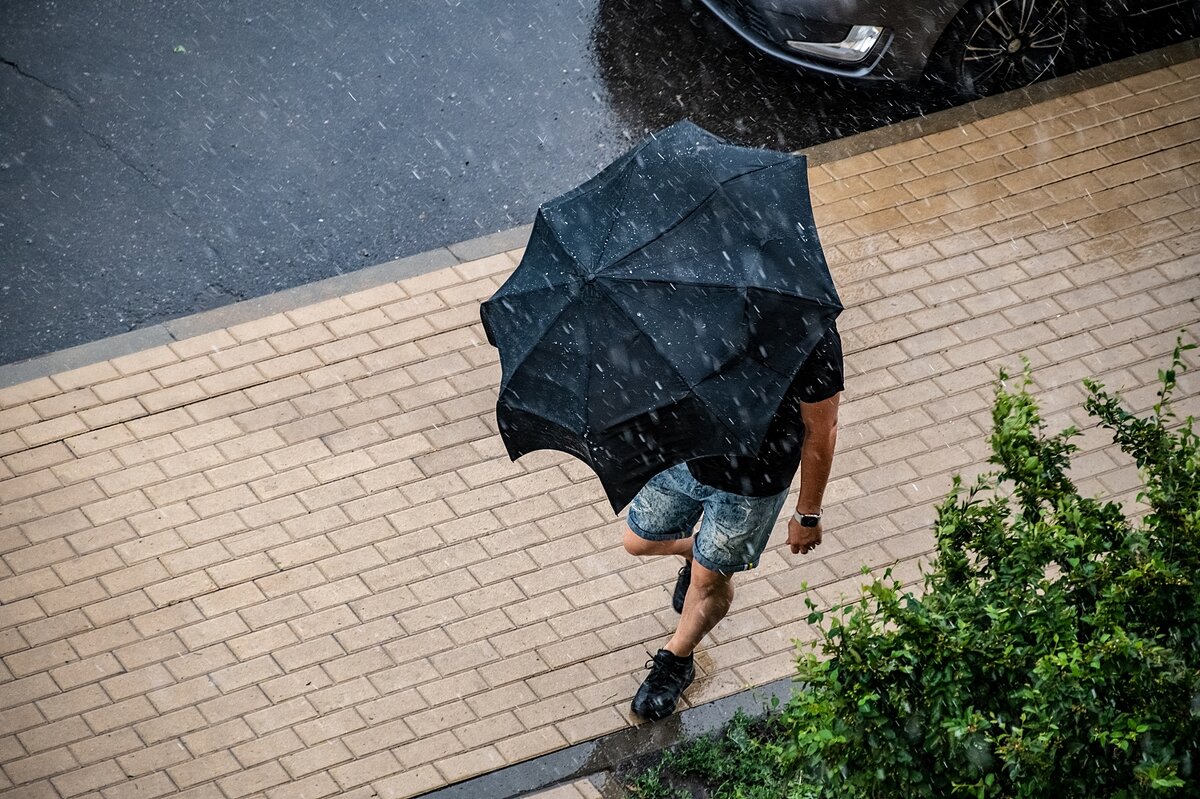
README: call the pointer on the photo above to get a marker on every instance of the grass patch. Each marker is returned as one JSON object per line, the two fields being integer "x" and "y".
{"x": 742, "y": 761}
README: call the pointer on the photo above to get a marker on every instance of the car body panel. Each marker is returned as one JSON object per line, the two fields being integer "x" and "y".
{"x": 911, "y": 32}
{"x": 913, "y": 28}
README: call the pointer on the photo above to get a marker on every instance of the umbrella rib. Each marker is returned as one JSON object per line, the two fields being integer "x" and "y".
{"x": 663, "y": 265}
{"x": 551, "y": 287}
{"x": 562, "y": 246}
{"x": 529, "y": 351}
{"x": 692, "y": 212}
{"x": 654, "y": 345}
{"x": 626, "y": 171}
{"x": 757, "y": 360}
{"x": 700, "y": 284}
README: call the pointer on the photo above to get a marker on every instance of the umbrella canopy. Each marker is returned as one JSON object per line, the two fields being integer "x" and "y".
{"x": 661, "y": 309}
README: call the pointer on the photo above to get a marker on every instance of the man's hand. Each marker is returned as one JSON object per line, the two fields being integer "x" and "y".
{"x": 802, "y": 539}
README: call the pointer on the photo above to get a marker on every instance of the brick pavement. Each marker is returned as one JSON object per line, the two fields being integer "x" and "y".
{"x": 290, "y": 559}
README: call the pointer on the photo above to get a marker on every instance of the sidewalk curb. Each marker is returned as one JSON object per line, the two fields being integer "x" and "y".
{"x": 609, "y": 752}
{"x": 513, "y": 238}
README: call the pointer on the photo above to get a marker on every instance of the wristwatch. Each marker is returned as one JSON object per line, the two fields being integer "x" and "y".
{"x": 807, "y": 519}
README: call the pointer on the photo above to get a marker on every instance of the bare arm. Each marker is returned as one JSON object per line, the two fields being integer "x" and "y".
{"x": 816, "y": 461}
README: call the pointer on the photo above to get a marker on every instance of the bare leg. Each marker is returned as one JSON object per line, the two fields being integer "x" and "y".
{"x": 707, "y": 602}
{"x": 636, "y": 545}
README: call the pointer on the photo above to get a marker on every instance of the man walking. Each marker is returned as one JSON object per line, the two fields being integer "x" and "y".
{"x": 736, "y": 501}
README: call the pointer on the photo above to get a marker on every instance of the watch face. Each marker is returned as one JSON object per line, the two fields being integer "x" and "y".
{"x": 809, "y": 521}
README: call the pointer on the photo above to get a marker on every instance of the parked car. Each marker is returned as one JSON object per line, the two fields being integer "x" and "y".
{"x": 974, "y": 46}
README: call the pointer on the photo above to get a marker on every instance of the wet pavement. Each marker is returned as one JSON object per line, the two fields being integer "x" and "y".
{"x": 286, "y": 556}
{"x": 161, "y": 161}
{"x": 605, "y": 761}
{"x": 157, "y": 162}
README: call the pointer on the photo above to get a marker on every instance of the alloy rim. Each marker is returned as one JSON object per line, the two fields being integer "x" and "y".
{"x": 1016, "y": 43}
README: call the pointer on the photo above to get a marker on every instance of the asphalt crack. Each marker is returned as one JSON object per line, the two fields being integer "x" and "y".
{"x": 136, "y": 317}
{"x": 30, "y": 76}
{"x": 98, "y": 138}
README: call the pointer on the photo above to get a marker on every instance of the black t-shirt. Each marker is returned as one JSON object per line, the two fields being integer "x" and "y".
{"x": 772, "y": 468}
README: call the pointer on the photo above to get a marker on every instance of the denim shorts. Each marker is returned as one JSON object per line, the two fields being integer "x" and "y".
{"x": 733, "y": 528}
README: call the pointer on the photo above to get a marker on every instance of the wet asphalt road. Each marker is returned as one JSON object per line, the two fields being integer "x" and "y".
{"x": 157, "y": 162}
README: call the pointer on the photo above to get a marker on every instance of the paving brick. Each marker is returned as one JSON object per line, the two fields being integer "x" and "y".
{"x": 24, "y": 418}
{"x": 280, "y": 714}
{"x": 52, "y": 499}
{"x": 153, "y": 758}
{"x": 242, "y": 570}
{"x": 17, "y": 716}
{"x": 330, "y": 726}
{"x": 37, "y": 458}
{"x": 375, "y": 505}
{"x": 167, "y": 592}
{"x": 214, "y": 410}
{"x": 324, "y": 622}
{"x": 531, "y": 744}
{"x": 161, "y": 728}
{"x": 348, "y": 690}
{"x": 288, "y": 364}
{"x": 275, "y": 510}
{"x": 183, "y": 371}
{"x": 50, "y": 599}
{"x": 28, "y": 391}
{"x": 238, "y": 539}
{"x": 193, "y": 558}
{"x": 302, "y": 338}
{"x": 202, "y": 769}
{"x": 102, "y": 613}
{"x": 259, "y": 642}
{"x": 52, "y": 736}
{"x": 104, "y": 639}
{"x": 87, "y": 670}
{"x": 148, "y": 522}
{"x": 126, "y": 387}
{"x": 427, "y": 750}
{"x": 598, "y": 589}
{"x": 89, "y": 778}
{"x": 336, "y": 373}
{"x": 364, "y": 770}
{"x": 189, "y": 462}
{"x": 32, "y": 558}
{"x": 119, "y": 714}
{"x": 342, "y": 349}
{"x": 253, "y": 780}
{"x": 335, "y": 493}
{"x": 150, "y": 786}
{"x": 237, "y": 703}
{"x": 314, "y": 787}
{"x": 173, "y": 397}
{"x": 83, "y": 468}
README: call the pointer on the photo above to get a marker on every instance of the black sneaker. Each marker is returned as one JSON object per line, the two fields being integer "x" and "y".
{"x": 681, "y": 587}
{"x": 660, "y": 691}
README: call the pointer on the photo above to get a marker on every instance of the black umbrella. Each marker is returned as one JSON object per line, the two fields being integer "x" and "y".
{"x": 661, "y": 309}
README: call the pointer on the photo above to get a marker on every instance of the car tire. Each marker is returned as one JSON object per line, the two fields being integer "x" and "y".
{"x": 994, "y": 46}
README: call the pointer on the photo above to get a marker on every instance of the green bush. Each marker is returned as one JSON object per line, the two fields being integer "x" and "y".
{"x": 1055, "y": 650}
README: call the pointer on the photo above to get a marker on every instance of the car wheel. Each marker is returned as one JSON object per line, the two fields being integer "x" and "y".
{"x": 998, "y": 45}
